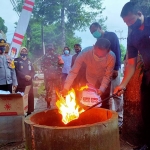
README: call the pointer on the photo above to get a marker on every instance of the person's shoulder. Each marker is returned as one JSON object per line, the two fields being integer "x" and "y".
{"x": 110, "y": 33}
{"x": 16, "y": 59}
{"x": 75, "y": 55}
{"x": 111, "y": 36}
{"x": 62, "y": 55}
{"x": 44, "y": 58}
{"x": 87, "y": 48}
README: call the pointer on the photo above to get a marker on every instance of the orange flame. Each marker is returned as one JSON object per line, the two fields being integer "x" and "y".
{"x": 68, "y": 107}
{"x": 83, "y": 87}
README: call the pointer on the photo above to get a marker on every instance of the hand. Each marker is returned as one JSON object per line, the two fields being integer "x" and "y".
{"x": 60, "y": 60}
{"x": 27, "y": 77}
{"x": 115, "y": 74}
{"x": 14, "y": 87}
{"x": 99, "y": 92}
{"x": 64, "y": 92}
{"x": 119, "y": 90}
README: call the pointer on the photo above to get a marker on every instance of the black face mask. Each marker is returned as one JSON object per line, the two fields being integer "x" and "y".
{"x": 136, "y": 25}
{"x": 77, "y": 51}
{"x": 2, "y": 49}
{"x": 23, "y": 55}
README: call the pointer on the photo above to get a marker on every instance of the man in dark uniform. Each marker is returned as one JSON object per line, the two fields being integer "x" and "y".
{"x": 138, "y": 40}
{"x": 25, "y": 74}
{"x": 51, "y": 65}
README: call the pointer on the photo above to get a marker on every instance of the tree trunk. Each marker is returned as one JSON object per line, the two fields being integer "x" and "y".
{"x": 133, "y": 125}
{"x": 63, "y": 25}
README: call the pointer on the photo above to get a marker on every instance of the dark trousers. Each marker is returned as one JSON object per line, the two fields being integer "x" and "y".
{"x": 145, "y": 104}
{"x": 6, "y": 87}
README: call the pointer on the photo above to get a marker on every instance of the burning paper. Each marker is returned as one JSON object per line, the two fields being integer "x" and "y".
{"x": 68, "y": 107}
{"x": 83, "y": 87}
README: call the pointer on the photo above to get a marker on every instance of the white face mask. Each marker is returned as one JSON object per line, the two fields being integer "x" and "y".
{"x": 66, "y": 52}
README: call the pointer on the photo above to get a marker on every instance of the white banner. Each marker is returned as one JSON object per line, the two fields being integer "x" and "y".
{"x": 21, "y": 28}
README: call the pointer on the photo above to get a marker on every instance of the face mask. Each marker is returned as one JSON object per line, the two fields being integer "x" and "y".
{"x": 23, "y": 55}
{"x": 96, "y": 34}
{"x": 2, "y": 49}
{"x": 77, "y": 51}
{"x": 66, "y": 52}
{"x": 136, "y": 25}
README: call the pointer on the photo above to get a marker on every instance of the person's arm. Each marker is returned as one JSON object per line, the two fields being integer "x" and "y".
{"x": 74, "y": 71}
{"x": 73, "y": 60}
{"x": 14, "y": 78}
{"x": 129, "y": 71}
{"x": 60, "y": 61}
{"x": 115, "y": 47}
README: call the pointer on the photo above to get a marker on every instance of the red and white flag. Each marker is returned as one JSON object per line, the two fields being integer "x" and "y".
{"x": 21, "y": 28}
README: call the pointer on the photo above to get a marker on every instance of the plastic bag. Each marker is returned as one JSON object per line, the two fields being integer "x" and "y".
{"x": 90, "y": 97}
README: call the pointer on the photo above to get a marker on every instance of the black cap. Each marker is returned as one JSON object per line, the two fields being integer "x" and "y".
{"x": 103, "y": 43}
{"x": 2, "y": 43}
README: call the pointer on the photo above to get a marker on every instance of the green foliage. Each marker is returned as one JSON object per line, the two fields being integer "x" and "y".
{"x": 60, "y": 20}
{"x": 78, "y": 14}
{"x": 2, "y": 25}
{"x": 123, "y": 52}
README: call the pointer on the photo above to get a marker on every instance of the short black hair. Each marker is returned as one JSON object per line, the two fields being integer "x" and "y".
{"x": 67, "y": 48}
{"x": 77, "y": 45}
{"x": 96, "y": 24}
{"x": 130, "y": 7}
{"x": 103, "y": 43}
